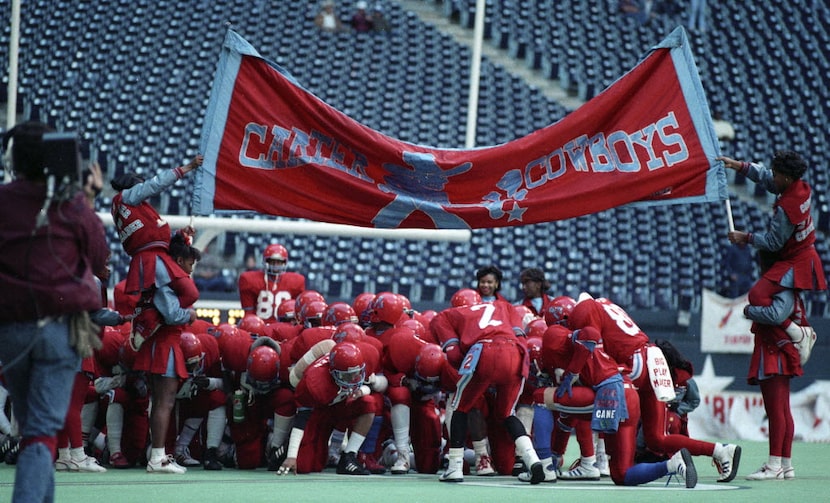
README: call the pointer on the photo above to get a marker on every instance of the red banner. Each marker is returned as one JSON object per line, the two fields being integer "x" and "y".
{"x": 273, "y": 148}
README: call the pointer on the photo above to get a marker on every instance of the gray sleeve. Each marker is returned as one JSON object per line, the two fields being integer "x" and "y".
{"x": 166, "y": 300}
{"x": 149, "y": 188}
{"x": 779, "y": 231}
{"x": 105, "y": 317}
{"x": 761, "y": 176}
{"x": 781, "y": 308}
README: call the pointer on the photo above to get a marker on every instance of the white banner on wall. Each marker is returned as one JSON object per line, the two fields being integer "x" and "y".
{"x": 723, "y": 328}
{"x": 727, "y": 416}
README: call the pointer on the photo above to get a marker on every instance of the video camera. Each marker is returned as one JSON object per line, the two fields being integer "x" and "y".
{"x": 62, "y": 158}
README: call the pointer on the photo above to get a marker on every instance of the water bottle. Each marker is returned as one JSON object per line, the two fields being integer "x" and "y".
{"x": 238, "y": 406}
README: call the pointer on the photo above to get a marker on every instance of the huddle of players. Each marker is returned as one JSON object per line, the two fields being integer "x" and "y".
{"x": 299, "y": 385}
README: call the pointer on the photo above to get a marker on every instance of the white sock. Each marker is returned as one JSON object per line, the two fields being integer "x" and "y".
{"x": 115, "y": 427}
{"x": 215, "y": 427}
{"x": 88, "y": 414}
{"x": 282, "y": 427}
{"x": 588, "y": 460}
{"x": 786, "y": 462}
{"x": 63, "y": 454}
{"x": 774, "y": 462}
{"x": 157, "y": 454}
{"x": 481, "y": 447}
{"x": 525, "y": 446}
{"x": 189, "y": 429}
{"x": 354, "y": 443}
{"x": 77, "y": 454}
{"x": 400, "y": 416}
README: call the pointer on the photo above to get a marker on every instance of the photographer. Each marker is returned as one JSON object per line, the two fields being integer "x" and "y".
{"x": 51, "y": 242}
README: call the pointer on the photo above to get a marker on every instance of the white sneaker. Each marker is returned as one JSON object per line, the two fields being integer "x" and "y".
{"x": 602, "y": 465}
{"x": 682, "y": 466}
{"x": 183, "y": 458}
{"x": 789, "y": 473}
{"x": 726, "y": 459}
{"x": 165, "y": 465}
{"x": 804, "y": 338}
{"x": 550, "y": 474}
{"x": 65, "y": 465}
{"x": 484, "y": 466}
{"x": 767, "y": 472}
{"x": 89, "y": 465}
{"x": 454, "y": 471}
{"x": 401, "y": 466}
{"x": 581, "y": 471}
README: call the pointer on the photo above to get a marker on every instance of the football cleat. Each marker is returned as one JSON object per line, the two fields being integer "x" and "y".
{"x": 371, "y": 464}
{"x": 788, "y": 472}
{"x": 682, "y": 466}
{"x": 726, "y": 459}
{"x": 165, "y": 465}
{"x": 454, "y": 471}
{"x": 118, "y": 460}
{"x": 276, "y": 457}
{"x": 518, "y": 466}
{"x": 581, "y": 471}
{"x": 65, "y": 465}
{"x": 211, "y": 461}
{"x": 401, "y": 465}
{"x": 550, "y": 475}
{"x": 767, "y": 472}
{"x": 183, "y": 458}
{"x": 484, "y": 466}
{"x": 348, "y": 465}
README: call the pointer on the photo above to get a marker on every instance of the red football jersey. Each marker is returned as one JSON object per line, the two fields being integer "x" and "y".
{"x": 262, "y": 296}
{"x": 621, "y": 337}
{"x": 470, "y": 324}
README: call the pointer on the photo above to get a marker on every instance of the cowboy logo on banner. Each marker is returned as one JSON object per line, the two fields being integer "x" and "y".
{"x": 723, "y": 328}
{"x": 273, "y": 148}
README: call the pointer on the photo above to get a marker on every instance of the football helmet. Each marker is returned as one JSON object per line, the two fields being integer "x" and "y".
{"x": 311, "y": 314}
{"x": 338, "y": 313}
{"x": 263, "y": 369}
{"x": 536, "y": 328}
{"x": 348, "y": 332}
{"x": 361, "y": 306}
{"x": 194, "y": 356}
{"x": 304, "y": 298}
{"x": 387, "y": 307}
{"x": 253, "y": 324}
{"x": 415, "y": 325}
{"x": 524, "y": 314}
{"x": 347, "y": 366}
{"x": 109, "y": 354}
{"x": 534, "y": 352}
{"x": 285, "y": 311}
{"x": 465, "y": 297}
{"x": 429, "y": 362}
{"x": 275, "y": 259}
{"x": 558, "y": 310}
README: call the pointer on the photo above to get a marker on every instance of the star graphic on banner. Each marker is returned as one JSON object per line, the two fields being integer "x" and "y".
{"x": 516, "y": 212}
{"x": 708, "y": 382}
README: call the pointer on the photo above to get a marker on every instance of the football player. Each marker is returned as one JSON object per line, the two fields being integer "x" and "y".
{"x": 262, "y": 292}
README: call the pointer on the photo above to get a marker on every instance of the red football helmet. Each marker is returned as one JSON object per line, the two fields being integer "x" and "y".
{"x": 524, "y": 314}
{"x": 285, "y": 311}
{"x": 348, "y": 332}
{"x": 558, "y": 310}
{"x": 337, "y": 313}
{"x": 263, "y": 368}
{"x": 465, "y": 297}
{"x": 536, "y": 328}
{"x": 361, "y": 306}
{"x": 347, "y": 365}
{"x": 429, "y": 363}
{"x": 534, "y": 352}
{"x": 275, "y": 259}
{"x": 109, "y": 354}
{"x": 234, "y": 351}
{"x": 311, "y": 314}
{"x": 253, "y": 324}
{"x": 415, "y": 325}
{"x": 192, "y": 350}
{"x": 387, "y": 307}
{"x": 304, "y": 298}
